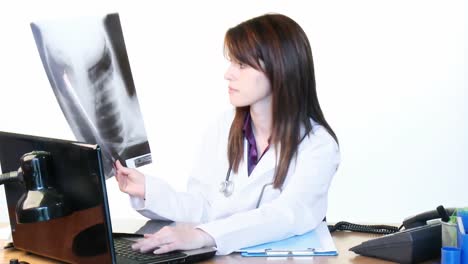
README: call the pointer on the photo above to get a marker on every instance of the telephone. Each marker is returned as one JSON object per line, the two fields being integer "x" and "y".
{"x": 409, "y": 222}
{"x": 417, "y": 239}
{"x": 422, "y": 218}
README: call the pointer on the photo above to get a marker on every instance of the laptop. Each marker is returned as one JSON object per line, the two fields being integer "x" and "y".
{"x": 61, "y": 210}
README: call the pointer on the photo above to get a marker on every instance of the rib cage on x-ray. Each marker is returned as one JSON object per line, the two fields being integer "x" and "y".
{"x": 107, "y": 114}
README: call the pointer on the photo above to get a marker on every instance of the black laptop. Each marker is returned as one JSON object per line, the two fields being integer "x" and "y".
{"x": 58, "y": 205}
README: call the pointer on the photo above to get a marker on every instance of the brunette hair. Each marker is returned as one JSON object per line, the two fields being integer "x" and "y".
{"x": 276, "y": 45}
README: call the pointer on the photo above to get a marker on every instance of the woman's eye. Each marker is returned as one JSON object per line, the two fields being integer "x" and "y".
{"x": 242, "y": 65}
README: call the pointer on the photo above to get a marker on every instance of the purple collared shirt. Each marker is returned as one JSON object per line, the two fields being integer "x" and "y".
{"x": 252, "y": 157}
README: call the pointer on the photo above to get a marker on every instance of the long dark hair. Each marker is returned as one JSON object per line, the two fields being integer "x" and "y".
{"x": 281, "y": 44}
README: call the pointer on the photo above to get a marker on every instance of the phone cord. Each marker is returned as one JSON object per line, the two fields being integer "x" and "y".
{"x": 372, "y": 229}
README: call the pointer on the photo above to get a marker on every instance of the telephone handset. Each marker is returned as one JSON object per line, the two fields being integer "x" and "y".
{"x": 422, "y": 218}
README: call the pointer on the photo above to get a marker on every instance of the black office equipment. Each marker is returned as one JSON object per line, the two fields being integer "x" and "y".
{"x": 422, "y": 218}
{"x": 409, "y": 246}
{"x": 82, "y": 233}
{"x": 41, "y": 202}
{"x": 419, "y": 241}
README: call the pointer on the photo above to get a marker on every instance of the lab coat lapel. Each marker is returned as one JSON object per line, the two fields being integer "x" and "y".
{"x": 266, "y": 164}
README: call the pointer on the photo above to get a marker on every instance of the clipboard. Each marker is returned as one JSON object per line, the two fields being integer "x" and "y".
{"x": 317, "y": 242}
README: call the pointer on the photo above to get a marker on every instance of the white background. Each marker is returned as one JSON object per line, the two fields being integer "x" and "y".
{"x": 390, "y": 79}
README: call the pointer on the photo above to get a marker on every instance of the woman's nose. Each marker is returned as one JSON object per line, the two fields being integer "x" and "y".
{"x": 229, "y": 75}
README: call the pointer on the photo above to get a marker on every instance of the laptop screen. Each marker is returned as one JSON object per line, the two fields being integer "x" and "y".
{"x": 59, "y": 208}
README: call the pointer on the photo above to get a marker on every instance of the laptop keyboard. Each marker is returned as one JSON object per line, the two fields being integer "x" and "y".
{"x": 123, "y": 249}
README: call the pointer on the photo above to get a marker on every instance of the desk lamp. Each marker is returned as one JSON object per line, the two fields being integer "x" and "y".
{"x": 41, "y": 201}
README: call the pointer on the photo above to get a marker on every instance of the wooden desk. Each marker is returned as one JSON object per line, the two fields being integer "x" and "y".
{"x": 343, "y": 242}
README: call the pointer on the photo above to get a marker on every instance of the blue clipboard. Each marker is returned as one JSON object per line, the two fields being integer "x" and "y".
{"x": 317, "y": 242}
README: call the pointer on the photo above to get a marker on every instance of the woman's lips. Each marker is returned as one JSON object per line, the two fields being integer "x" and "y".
{"x": 232, "y": 90}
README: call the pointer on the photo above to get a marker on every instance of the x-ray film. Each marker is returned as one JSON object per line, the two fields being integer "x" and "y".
{"x": 86, "y": 62}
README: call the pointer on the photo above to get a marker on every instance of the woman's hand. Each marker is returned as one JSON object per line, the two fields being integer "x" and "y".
{"x": 170, "y": 238}
{"x": 130, "y": 181}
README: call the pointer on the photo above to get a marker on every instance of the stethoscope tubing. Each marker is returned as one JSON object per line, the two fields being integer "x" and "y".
{"x": 228, "y": 186}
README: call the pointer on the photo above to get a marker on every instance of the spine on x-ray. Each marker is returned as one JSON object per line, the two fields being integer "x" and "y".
{"x": 108, "y": 117}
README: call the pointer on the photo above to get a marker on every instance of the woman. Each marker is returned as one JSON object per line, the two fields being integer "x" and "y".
{"x": 280, "y": 151}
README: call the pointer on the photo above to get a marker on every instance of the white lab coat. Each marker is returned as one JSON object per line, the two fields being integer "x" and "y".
{"x": 235, "y": 222}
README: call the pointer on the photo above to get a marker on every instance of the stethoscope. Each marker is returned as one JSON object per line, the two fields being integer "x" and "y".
{"x": 227, "y": 187}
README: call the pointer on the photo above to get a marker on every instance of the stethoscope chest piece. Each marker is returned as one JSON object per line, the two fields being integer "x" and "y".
{"x": 227, "y": 188}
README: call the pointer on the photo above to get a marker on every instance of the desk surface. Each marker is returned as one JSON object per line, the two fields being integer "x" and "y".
{"x": 343, "y": 241}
